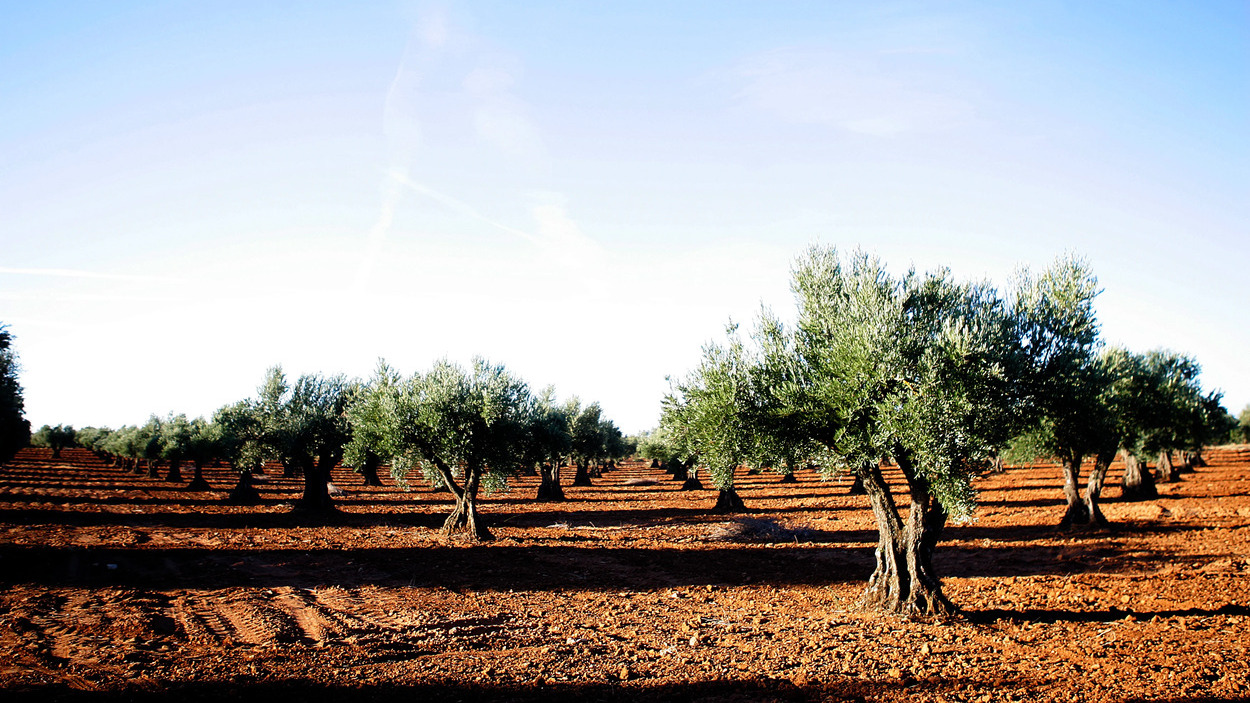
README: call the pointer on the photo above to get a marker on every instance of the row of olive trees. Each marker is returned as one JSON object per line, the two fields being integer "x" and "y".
{"x": 934, "y": 375}
{"x": 462, "y": 429}
{"x": 468, "y": 429}
{"x": 1121, "y": 403}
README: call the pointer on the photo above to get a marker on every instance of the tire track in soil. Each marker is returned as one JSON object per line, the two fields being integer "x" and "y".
{"x": 319, "y": 623}
{"x": 368, "y": 625}
{"x": 379, "y": 628}
{"x": 236, "y": 617}
{"x": 41, "y": 635}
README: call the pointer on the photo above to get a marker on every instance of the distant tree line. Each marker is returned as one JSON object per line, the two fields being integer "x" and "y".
{"x": 463, "y": 430}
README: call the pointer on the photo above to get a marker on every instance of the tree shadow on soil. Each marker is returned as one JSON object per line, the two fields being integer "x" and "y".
{"x": 596, "y": 563}
{"x": 245, "y": 688}
{"x": 498, "y": 568}
{"x": 1045, "y": 615}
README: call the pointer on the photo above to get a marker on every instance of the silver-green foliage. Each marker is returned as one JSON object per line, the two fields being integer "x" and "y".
{"x": 460, "y": 424}
{"x": 708, "y": 414}
{"x": 919, "y": 366}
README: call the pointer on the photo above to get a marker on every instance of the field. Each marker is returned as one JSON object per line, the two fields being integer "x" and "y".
{"x": 122, "y": 587}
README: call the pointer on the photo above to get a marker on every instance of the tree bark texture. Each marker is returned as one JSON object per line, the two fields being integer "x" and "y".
{"x": 1077, "y": 512}
{"x": 316, "y": 498}
{"x": 1093, "y": 487}
{"x": 904, "y": 580}
{"x": 1167, "y": 472}
{"x": 1138, "y": 484}
{"x": 464, "y": 518}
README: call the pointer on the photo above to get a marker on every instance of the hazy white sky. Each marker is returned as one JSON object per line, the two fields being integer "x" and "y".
{"x": 192, "y": 192}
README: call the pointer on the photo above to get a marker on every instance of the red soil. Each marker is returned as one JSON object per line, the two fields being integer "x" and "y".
{"x": 120, "y": 587}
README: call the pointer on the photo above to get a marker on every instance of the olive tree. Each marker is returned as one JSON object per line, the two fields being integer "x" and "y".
{"x": 120, "y": 445}
{"x": 369, "y": 416}
{"x": 468, "y": 427}
{"x": 14, "y": 427}
{"x": 1071, "y": 382}
{"x": 94, "y": 440}
{"x": 56, "y": 438}
{"x": 242, "y": 443}
{"x": 312, "y": 430}
{"x": 587, "y": 438}
{"x": 928, "y": 371}
{"x": 1240, "y": 431}
{"x": 550, "y": 441}
{"x": 710, "y": 415}
{"x": 1163, "y": 409}
{"x": 174, "y": 437}
{"x": 660, "y": 446}
{"x": 148, "y": 446}
{"x": 204, "y": 444}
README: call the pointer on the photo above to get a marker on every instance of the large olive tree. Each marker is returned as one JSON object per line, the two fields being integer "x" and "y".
{"x": 933, "y": 373}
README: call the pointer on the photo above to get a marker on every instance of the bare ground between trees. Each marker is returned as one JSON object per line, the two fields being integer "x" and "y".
{"x": 121, "y": 587}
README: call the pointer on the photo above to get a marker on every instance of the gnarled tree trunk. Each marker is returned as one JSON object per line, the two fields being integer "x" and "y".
{"x": 904, "y": 580}
{"x": 316, "y": 498}
{"x": 1077, "y": 512}
{"x": 1138, "y": 484}
{"x": 692, "y": 482}
{"x": 174, "y": 474}
{"x": 549, "y": 489}
{"x": 1093, "y": 487}
{"x": 464, "y": 517}
{"x": 1167, "y": 472}
{"x": 244, "y": 493}
{"x": 582, "y": 476}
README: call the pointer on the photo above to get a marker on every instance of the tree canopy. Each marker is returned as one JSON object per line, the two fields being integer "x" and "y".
{"x": 14, "y": 428}
{"x": 933, "y": 373}
{"x": 467, "y": 426}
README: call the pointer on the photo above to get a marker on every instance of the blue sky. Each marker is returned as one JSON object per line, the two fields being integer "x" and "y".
{"x": 193, "y": 192}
